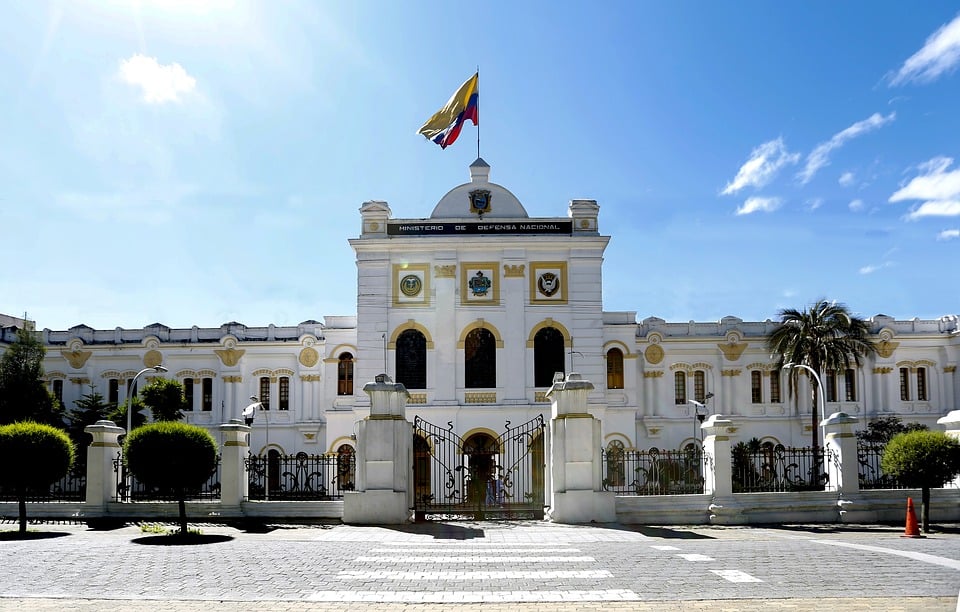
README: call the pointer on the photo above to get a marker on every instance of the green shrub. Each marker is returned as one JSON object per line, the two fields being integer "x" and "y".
{"x": 173, "y": 457}
{"x": 32, "y": 456}
{"x": 923, "y": 459}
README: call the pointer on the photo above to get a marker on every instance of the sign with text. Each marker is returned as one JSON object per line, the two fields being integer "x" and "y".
{"x": 427, "y": 228}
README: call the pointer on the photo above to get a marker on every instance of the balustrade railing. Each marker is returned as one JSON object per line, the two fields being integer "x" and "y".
{"x": 870, "y": 472}
{"x": 71, "y": 488}
{"x": 300, "y": 476}
{"x": 653, "y": 472}
{"x": 139, "y": 492}
{"x": 770, "y": 468}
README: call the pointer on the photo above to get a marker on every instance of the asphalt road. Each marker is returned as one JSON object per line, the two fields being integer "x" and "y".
{"x": 489, "y": 566}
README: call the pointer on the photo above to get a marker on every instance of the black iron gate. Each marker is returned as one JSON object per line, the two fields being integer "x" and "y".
{"x": 481, "y": 477}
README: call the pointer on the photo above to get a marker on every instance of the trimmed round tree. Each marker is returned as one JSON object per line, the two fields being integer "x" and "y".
{"x": 33, "y": 457}
{"x": 174, "y": 457}
{"x": 924, "y": 460}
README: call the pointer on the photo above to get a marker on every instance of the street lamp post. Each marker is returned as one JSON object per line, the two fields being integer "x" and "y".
{"x": 248, "y": 415}
{"x": 133, "y": 383}
{"x": 823, "y": 401}
{"x": 696, "y": 411}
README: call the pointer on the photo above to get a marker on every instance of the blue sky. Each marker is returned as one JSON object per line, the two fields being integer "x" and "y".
{"x": 193, "y": 163}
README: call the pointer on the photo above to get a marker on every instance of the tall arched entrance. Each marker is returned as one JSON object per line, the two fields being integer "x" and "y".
{"x": 482, "y": 476}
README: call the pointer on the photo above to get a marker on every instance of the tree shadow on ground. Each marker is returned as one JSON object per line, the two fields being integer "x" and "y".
{"x": 441, "y": 530}
{"x": 176, "y": 539}
{"x": 12, "y": 536}
{"x": 879, "y": 528}
{"x": 667, "y": 533}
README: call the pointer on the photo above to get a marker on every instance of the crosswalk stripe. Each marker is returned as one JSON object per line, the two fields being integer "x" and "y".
{"x": 736, "y": 576}
{"x": 469, "y": 550}
{"x": 665, "y": 547}
{"x": 445, "y": 597}
{"x": 474, "y": 559}
{"x": 473, "y": 575}
{"x": 695, "y": 557}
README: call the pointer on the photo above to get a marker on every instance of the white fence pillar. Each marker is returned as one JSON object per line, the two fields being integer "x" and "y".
{"x": 234, "y": 481}
{"x": 101, "y": 479}
{"x": 843, "y": 474}
{"x": 384, "y": 459}
{"x": 718, "y": 471}
{"x": 576, "y": 468}
{"x": 951, "y": 423}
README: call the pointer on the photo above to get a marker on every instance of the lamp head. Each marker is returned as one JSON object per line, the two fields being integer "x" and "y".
{"x": 708, "y": 395}
{"x": 254, "y": 398}
{"x": 696, "y": 403}
{"x": 160, "y": 368}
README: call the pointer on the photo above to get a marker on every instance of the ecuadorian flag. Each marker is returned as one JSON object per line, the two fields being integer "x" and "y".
{"x": 444, "y": 126}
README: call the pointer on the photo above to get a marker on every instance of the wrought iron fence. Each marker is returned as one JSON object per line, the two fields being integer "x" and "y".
{"x": 139, "y": 492}
{"x": 870, "y": 472}
{"x": 653, "y": 472}
{"x": 769, "y": 468}
{"x": 300, "y": 477}
{"x": 71, "y": 488}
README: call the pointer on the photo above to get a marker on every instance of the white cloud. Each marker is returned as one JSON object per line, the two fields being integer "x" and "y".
{"x": 753, "y": 205}
{"x": 937, "y": 186}
{"x": 820, "y": 156}
{"x": 157, "y": 82}
{"x": 846, "y": 179}
{"x": 814, "y": 203}
{"x": 939, "y": 55}
{"x": 941, "y": 208}
{"x": 950, "y": 234}
{"x": 856, "y": 205}
{"x": 764, "y": 163}
{"x": 870, "y": 269}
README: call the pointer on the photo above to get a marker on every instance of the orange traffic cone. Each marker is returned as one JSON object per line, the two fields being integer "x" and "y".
{"x": 912, "y": 530}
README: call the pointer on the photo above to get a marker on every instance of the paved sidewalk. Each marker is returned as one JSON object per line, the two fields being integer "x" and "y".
{"x": 490, "y": 567}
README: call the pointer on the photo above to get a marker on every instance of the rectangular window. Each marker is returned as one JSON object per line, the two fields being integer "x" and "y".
{"x": 113, "y": 391}
{"x": 756, "y": 386}
{"x": 831, "y": 386}
{"x": 680, "y": 388}
{"x": 188, "y": 392}
{"x": 265, "y": 392}
{"x": 850, "y": 386}
{"x": 904, "y": 385}
{"x": 283, "y": 401}
{"x": 775, "y": 387}
{"x": 699, "y": 386}
{"x": 207, "y": 395}
{"x": 922, "y": 384}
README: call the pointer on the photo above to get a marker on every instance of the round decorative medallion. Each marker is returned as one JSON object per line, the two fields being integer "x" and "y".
{"x": 309, "y": 357}
{"x": 152, "y": 359}
{"x": 374, "y": 226}
{"x": 411, "y": 285}
{"x": 584, "y": 223}
{"x": 653, "y": 354}
{"x": 548, "y": 284}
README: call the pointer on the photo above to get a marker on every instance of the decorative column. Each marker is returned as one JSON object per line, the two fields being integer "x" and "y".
{"x": 233, "y": 468}
{"x": 951, "y": 423}
{"x": 843, "y": 474}
{"x": 576, "y": 491}
{"x": 383, "y": 494}
{"x": 101, "y": 479}
{"x": 718, "y": 471}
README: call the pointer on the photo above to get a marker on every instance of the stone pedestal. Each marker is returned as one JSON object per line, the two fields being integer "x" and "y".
{"x": 843, "y": 474}
{"x": 234, "y": 481}
{"x": 576, "y": 491}
{"x": 101, "y": 479}
{"x": 383, "y": 494}
{"x": 718, "y": 471}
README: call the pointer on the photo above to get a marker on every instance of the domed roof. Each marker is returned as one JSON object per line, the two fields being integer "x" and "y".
{"x": 456, "y": 203}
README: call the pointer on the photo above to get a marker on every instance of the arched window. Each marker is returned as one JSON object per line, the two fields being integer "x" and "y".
{"x": 206, "y": 400}
{"x": 412, "y": 359}
{"x": 188, "y": 393}
{"x": 58, "y": 390}
{"x": 480, "y": 360}
{"x": 283, "y": 391}
{"x": 265, "y": 392}
{"x": 346, "y": 467}
{"x": 616, "y": 475}
{"x": 547, "y": 356}
{"x": 345, "y": 374}
{"x": 756, "y": 386}
{"x": 680, "y": 388}
{"x": 699, "y": 386}
{"x": 614, "y": 369}
{"x": 113, "y": 391}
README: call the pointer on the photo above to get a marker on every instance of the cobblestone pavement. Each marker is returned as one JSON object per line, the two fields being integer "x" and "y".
{"x": 481, "y": 566}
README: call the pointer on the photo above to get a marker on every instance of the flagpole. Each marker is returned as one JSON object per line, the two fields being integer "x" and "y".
{"x": 478, "y": 113}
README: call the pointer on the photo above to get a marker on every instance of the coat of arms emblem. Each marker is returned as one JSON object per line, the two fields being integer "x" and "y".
{"x": 410, "y": 285}
{"x": 548, "y": 283}
{"x": 480, "y": 284}
{"x": 480, "y": 201}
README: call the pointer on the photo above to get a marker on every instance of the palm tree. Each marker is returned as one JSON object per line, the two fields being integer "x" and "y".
{"x": 824, "y": 337}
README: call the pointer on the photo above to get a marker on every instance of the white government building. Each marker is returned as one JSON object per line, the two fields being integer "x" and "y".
{"x": 474, "y": 309}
